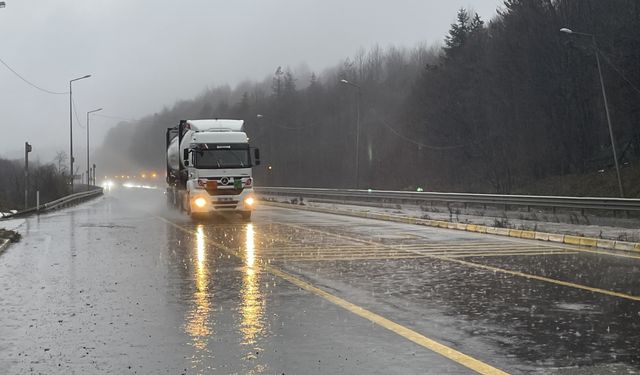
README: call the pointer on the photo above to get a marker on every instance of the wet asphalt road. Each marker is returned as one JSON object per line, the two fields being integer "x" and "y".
{"x": 120, "y": 285}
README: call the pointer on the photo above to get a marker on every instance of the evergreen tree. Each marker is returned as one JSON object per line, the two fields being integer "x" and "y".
{"x": 459, "y": 32}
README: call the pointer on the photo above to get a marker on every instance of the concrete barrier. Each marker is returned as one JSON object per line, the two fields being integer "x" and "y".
{"x": 606, "y": 244}
{"x": 515, "y": 233}
{"x": 626, "y": 246}
{"x": 477, "y": 228}
{"x": 541, "y": 236}
{"x": 572, "y": 240}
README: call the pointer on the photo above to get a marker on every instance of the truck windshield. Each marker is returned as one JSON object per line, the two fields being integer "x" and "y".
{"x": 214, "y": 158}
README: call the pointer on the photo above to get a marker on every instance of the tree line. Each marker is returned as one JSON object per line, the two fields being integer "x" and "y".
{"x": 500, "y": 104}
{"x": 48, "y": 178}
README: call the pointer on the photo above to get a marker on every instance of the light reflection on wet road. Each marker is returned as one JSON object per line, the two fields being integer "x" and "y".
{"x": 120, "y": 285}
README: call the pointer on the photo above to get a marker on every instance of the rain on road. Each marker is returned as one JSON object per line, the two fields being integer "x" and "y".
{"x": 121, "y": 285}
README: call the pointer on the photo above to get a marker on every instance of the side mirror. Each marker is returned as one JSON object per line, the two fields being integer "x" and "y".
{"x": 256, "y": 155}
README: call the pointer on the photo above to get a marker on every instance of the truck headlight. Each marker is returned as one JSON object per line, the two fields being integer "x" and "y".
{"x": 200, "y": 202}
{"x": 249, "y": 201}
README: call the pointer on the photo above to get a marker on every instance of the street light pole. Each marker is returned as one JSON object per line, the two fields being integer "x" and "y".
{"x": 606, "y": 103}
{"x": 344, "y": 81}
{"x": 71, "y": 126}
{"x": 27, "y": 150}
{"x": 89, "y": 165}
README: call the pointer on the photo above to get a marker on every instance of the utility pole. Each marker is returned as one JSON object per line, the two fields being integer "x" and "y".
{"x": 357, "y": 151}
{"x": 71, "y": 126}
{"x": 27, "y": 150}
{"x": 88, "y": 164}
{"x": 606, "y": 103}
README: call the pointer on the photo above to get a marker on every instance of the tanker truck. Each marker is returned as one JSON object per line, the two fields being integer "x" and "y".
{"x": 209, "y": 167}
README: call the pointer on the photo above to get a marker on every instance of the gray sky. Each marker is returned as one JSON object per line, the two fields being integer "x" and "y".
{"x": 146, "y": 54}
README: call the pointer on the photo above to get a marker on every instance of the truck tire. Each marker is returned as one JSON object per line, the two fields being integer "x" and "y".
{"x": 246, "y": 215}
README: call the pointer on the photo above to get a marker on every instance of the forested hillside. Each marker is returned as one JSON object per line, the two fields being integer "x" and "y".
{"x": 502, "y": 103}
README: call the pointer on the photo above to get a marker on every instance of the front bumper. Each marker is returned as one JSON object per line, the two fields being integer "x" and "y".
{"x": 219, "y": 203}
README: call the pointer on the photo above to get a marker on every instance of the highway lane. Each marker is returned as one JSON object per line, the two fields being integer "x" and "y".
{"x": 122, "y": 285}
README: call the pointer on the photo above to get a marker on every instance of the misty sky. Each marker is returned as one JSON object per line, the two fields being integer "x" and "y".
{"x": 146, "y": 54}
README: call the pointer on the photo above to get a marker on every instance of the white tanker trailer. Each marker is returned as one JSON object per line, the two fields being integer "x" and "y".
{"x": 209, "y": 167}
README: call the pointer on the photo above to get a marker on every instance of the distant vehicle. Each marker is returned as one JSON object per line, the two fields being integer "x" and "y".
{"x": 209, "y": 167}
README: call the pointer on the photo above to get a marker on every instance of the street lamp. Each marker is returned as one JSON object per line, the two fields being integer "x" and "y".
{"x": 88, "y": 165}
{"x": 606, "y": 104}
{"x": 269, "y": 137}
{"x": 359, "y": 91}
{"x": 71, "y": 125}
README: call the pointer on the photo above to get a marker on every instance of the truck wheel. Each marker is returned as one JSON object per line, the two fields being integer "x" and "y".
{"x": 246, "y": 215}
{"x": 170, "y": 198}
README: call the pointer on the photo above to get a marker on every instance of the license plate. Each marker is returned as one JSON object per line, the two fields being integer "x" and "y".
{"x": 225, "y": 199}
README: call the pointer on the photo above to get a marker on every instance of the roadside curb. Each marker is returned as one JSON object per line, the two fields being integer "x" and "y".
{"x": 478, "y": 228}
{"x": 4, "y": 244}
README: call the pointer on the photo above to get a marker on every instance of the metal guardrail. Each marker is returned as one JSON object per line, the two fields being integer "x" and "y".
{"x": 387, "y": 196}
{"x": 66, "y": 200}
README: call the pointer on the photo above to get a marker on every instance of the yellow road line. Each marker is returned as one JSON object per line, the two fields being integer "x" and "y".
{"x": 361, "y": 255}
{"x": 373, "y": 257}
{"x": 516, "y": 273}
{"x": 265, "y": 253}
{"x": 349, "y": 257}
{"x": 409, "y": 334}
{"x": 467, "y": 255}
{"x": 472, "y": 251}
{"x": 578, "y": 249}
{"x": 505, "y": 238}
{"x": 542, "y": 278}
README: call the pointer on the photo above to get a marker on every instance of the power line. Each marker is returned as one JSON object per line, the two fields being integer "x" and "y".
{"x": 30, "y": 83}
{"x": 420, "y": 144}
{"x": 76, "y": 112}
{"x": 113, "y": 117}
{"x": 619, "y": 71}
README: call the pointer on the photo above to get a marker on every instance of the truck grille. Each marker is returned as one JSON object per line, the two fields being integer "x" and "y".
{"x": 215, "y": 186}
{"x": 224, "y": 191}
{"x": 229, "y": 205}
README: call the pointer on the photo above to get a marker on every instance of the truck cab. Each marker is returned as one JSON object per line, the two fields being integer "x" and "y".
{"x": 211, "y": 170}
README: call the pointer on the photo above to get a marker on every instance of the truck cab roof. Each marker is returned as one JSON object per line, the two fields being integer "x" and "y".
{"x": 218, "y": 137}
{"x": 216, "y": 125}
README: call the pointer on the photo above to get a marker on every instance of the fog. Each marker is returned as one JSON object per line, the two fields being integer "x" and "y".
{"x": 145, "y": 55}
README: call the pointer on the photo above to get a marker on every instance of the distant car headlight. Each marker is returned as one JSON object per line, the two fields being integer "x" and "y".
{"x": 200, "y": 202}
{"x": 249, "y": 201}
